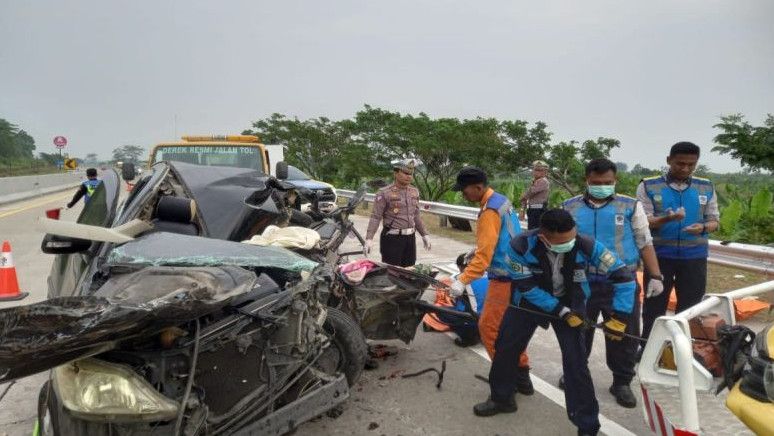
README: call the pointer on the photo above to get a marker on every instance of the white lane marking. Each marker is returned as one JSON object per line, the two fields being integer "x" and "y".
{"x": 555, "y": 394}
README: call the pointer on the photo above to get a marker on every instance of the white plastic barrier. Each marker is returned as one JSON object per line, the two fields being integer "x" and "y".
{"x": 690, "y": 375}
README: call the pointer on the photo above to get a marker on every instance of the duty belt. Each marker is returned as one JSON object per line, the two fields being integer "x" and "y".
{"x": 401, "y": 231}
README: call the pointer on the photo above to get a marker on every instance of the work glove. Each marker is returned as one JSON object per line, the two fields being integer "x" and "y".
{"x": 655, "y": 288}
{"x": 369, "y": 244}
{"x": 456, "y": 289}
{"x": 426, "y": 242}
{"x": 614, "y": 329}
{"x": 573, "y": 318}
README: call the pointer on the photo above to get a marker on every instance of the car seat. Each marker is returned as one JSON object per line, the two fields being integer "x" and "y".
{"x": 175, "y": 215}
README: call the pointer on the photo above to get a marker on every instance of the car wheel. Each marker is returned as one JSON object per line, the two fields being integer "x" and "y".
{"x": 348, "y": 350}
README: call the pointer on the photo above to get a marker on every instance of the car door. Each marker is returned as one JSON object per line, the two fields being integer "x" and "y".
{"x": 68, "y": 269}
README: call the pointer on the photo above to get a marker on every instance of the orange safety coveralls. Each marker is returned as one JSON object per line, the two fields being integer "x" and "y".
{"x": 498, "y": 294}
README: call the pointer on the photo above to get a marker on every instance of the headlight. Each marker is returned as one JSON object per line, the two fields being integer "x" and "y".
{"x": 96, "y": 390}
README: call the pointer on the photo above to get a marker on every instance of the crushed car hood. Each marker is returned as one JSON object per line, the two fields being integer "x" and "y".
{"x": 40, "y": 336}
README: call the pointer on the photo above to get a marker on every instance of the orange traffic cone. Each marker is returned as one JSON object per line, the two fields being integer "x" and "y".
{"x": 9, "y": 285}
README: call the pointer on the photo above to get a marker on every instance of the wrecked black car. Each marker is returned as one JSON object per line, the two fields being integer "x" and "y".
{"x": 159, "y": 322}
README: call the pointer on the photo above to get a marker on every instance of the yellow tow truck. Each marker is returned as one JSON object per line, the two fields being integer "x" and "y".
{"x": 242, "y": 151}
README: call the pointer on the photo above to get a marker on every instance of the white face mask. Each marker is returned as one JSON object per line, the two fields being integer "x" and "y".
{"x": 564, "y": 247}
{"x": 600, "y": 192}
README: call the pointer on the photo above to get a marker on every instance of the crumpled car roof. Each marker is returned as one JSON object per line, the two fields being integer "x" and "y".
{"x": 219, "y": 193}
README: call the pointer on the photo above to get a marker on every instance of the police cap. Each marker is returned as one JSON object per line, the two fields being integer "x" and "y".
{"x": 405, "y": 165}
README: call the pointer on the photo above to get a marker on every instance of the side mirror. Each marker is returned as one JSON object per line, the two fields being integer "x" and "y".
{"x": 281, "y": 171}
{"x": 128, "y": 172}
{"x": 53, "y": 244}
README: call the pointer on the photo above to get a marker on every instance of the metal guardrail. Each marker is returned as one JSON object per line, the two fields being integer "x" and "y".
{"x": 755, "y": 258}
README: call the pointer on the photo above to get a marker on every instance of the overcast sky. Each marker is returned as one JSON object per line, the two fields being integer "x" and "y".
{"x": 650, "y": 73}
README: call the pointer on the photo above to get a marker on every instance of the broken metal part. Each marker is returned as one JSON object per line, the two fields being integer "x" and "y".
{"x": 440, "y": 374}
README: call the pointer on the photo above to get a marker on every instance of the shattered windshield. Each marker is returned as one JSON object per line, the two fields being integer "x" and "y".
{"x": 170, "y": 249}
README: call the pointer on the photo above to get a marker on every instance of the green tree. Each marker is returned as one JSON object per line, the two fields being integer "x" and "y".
{"x": 568, "y": 161}
{"x": 50, "y": 159}
{"x": 443, "y": 145}
{"x": 753, "y": 146}
{"x": 322, "y": 148}
{"x": 15, "y": 144}
{"x": 127, "y": 153}
{"x": 525, "y": 144}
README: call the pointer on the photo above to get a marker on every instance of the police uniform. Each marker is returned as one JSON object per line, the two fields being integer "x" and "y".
{"x": 621, "y": 226}
{"x": 682, "y": 256}
{"x": 535, "y": 199}
{"x": 398, "y": 210}
{"x": 548, "y": 283}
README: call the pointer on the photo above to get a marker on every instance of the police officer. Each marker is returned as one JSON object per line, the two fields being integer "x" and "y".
{"x": 397, "y": 205}
{"x": 87, "y": 188}
{"x": 620, "y": 224}
{"x": 682, "y": 211}
{"x": 553, "y": 290}
{"x": 535, "y": 200}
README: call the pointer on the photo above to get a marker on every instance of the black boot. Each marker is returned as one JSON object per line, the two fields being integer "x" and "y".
{"x": 490, "y": 408}
{"x": 466, "y": 342}
{"x": 523, "y": 382}
{"x": 624, "y": 396}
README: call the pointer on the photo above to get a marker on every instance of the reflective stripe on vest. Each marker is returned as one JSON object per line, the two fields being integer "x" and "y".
{"x": 610, "y": 224}
{"x": 670, "y": 240}
{"x": 500, "y": 267}
{"x": 91, "y": 186}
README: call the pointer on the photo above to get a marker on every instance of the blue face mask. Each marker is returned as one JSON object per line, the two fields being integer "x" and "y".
{"x": 601, "y": 192}
{"x": 562, "y": 248}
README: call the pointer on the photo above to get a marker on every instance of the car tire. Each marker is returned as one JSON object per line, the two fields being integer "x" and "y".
{"x": 347, "y": 339}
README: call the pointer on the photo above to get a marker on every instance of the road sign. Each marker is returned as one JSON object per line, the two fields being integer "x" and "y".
{"x": 60, "y": 141}
{"x": 70, "y": 164}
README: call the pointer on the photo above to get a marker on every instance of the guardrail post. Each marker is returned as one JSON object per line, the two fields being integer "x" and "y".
{"x": 443, "y": 221}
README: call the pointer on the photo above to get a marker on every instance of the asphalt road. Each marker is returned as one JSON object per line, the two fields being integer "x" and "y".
{"x": 382, "y": 403}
